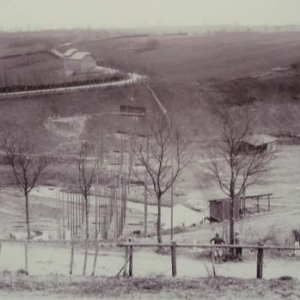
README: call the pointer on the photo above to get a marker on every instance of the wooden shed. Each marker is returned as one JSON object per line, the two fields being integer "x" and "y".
{"x": 219, "y": 209}
{"x": 258, "y": 143}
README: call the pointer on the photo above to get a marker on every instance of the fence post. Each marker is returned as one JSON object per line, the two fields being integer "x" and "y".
{"x": 130, "y": 272}
{"x": 126, "y": 258}
{"x": 95, "y": 259}
{"x": 72, "y": 257}
{"x": 85, "y": 260}
{"x": 173, "y": 258}
{"x": 260, "y": 261}
{"x": 26, "y": 258}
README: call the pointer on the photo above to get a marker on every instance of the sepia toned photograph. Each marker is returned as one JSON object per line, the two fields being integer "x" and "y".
{"x": 150, "y": 149}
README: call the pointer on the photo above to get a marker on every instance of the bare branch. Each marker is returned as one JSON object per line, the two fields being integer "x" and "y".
{"x": 26, "y": 167}
{"x": 163, "y": 156}
{"x": 233, "y": 166}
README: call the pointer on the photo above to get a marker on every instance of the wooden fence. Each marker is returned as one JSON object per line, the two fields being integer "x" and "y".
{"x": 127, "y": 268}
{"x": 173, "y": 246}
{"x": 83, "y": 243}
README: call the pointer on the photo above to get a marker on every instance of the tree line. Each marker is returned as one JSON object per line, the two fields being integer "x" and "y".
{"x": 44, "y": 86}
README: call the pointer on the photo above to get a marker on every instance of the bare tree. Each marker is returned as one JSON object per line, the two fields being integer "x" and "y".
{"x": 233, "y": 165}
{"x": 26, "y": 168}
{"x": 87, "y": 167}
{"x": 162, "y": 155}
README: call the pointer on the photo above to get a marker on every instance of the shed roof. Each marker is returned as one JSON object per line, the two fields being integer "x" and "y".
{"x": 259, "y": 139}
{"x": 70, "y": 52}
{"x": 243, "y": 197}
{"x": 80, "y": 55}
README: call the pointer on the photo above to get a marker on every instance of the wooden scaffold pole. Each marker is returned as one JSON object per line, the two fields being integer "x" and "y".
{"x": 68, "y": 210}
{"x": 145, "y": 188}
{"x": 96, "y": 216}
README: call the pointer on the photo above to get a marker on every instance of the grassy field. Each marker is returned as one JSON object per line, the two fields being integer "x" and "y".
{"x": 147, "y": 288}
{"x": 179, "y": 68}
{"x": 187, "y": 59}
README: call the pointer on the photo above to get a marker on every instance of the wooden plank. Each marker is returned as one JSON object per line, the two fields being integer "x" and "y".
{"x": 111, "y": 244}
{"x": 259, "y": 263}
{"x": 207, "y": 246}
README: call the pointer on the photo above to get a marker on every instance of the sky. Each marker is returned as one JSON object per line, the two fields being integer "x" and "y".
{"x": 54, "y": 14}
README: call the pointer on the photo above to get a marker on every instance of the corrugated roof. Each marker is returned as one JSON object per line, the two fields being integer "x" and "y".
{"x": 79, "y": 55}
{"x": 259, "y": 139}
{"x": 70, "y": 52}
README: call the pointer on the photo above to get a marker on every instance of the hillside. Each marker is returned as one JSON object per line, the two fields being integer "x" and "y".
{"x": 196, "y": 78}
{"x": 188, "y": 93}
{"x": 187, "y": 59}
{"x": 181, "y": 70}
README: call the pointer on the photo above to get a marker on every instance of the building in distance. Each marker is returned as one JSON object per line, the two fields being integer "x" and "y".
{"x": 76, "y": 61}
{"x": 258, "y": 143}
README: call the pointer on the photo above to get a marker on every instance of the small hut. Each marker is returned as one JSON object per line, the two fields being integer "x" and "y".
{"x": 219, "y": 209}
{"x": 258, "y": 143}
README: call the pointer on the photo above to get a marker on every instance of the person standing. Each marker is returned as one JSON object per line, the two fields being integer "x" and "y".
{"x": 238, "y": 250}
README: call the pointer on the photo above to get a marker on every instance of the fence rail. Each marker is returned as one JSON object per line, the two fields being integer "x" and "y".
{"x": 205, "y": 246}
{"x": 173, "y": 245}
{"x": 127, "y": 268}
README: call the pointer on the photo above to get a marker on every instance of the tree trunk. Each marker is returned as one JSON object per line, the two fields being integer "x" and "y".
{"x": 86, "y": 217}
{"x": 27, "y": 215}
{"x": 231, "y": 213}
{"x": 231, "y": 225}
{"x": 159, "y": 239}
